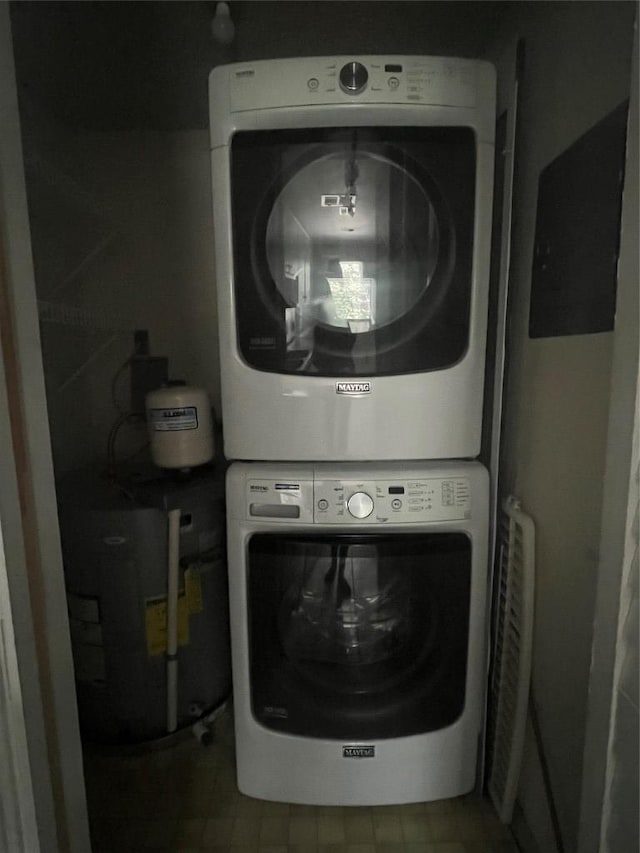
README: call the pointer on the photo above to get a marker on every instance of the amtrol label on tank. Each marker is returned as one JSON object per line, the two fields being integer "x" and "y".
{"x": 170, "y": 420}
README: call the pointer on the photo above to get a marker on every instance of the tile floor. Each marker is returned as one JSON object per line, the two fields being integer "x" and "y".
{"x": 184, "y": 799}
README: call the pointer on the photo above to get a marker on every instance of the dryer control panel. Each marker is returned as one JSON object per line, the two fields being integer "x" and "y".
{"x": 359, "y": 502}
{"x": 428, "y": 80}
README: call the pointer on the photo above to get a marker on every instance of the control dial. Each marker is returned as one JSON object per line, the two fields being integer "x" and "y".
{"x": 360, "y": 505}
{"x": 353, "y": 78}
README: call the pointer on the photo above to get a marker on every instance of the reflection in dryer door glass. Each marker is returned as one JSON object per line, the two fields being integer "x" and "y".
{"x": 352, "y": 243}
{"x": 353, "y": 248}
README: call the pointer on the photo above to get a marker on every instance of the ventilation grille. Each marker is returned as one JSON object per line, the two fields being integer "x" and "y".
{"x": 511, "y": 663}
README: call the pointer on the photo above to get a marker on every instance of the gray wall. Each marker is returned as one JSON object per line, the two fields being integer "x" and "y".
{"x": 144, "y": 65}
{"x": 577, "y": 69}
{"x": 114, "y": 113}
{"x": 147, "y": 74}
{"x": 613, "y": 725}
{"x": 122, "y": 230}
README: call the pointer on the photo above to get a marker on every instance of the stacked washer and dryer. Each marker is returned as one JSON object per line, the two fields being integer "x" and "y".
{"x": 352, "y": 209}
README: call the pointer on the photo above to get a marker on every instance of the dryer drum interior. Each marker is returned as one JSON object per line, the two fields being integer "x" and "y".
{"x": 358, "y": 636}
{"x": 361, "y": 243}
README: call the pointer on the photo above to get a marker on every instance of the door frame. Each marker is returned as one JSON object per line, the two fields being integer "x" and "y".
{"x": 47, "y": 790}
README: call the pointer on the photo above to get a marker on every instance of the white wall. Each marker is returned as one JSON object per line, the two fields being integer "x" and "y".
{"x": 613, "y": 723}
{"x": 135, "y": 209}
{"x": 161, "y": 276}
{"x": 577, "y": 69}
{"x": 272, "y": 29}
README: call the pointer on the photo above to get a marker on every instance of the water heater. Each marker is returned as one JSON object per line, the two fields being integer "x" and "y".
{"x": 114, "y": 544}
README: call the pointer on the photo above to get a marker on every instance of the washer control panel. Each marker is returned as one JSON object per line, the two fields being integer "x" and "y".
{"x": 349, "y": 502}
{"x": 391, "y": 501}
{"x": 360, "y": 505}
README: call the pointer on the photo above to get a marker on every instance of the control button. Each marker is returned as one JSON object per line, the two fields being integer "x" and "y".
{"x": 393, "y": 82}
{"x": 323, "y": 504}
{"x": 313, "y": 83}
{"x": 360, "y": 505}
{"x": 396, "y": 503}
{"x": 353, "y": 77}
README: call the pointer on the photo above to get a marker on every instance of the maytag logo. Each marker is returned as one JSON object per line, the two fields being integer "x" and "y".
{"x": 353, "y": 388}
{"x": 358, "y": 752}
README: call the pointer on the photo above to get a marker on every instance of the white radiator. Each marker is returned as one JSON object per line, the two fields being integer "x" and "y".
{"x": 511, "y": 658}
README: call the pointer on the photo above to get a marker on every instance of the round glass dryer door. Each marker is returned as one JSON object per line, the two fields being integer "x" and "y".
{"x": 358, "y": 270}
{"x": 353, "y": 248}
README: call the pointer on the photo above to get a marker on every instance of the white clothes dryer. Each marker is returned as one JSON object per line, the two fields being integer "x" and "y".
{"x": 352, "y": 210}
{"x": 358, "y": 623}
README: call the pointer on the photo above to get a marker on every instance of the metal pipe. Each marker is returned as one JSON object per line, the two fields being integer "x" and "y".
{"x": 173, "y": 559}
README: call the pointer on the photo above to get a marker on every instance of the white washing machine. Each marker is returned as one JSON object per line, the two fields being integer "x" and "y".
{"x": 352, "y": 209}
{"x": 358, "y": 629}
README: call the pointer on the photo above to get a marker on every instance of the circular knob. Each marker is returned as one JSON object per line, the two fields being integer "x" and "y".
{"x": 360, "y": 505}
{"x": 353, "y": 77}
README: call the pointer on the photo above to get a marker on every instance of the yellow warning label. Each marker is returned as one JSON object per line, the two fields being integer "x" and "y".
{"x": 156, "y": 624}
{"x": 193, "y": 591}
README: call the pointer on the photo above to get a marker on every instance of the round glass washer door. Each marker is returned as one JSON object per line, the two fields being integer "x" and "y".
{"x": 352, "y": 243}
